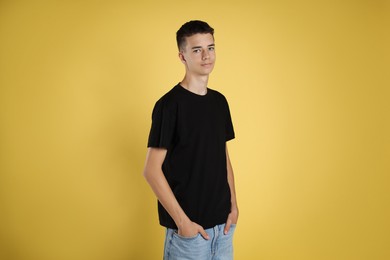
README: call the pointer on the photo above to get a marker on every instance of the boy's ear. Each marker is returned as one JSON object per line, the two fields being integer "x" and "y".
{"x": 182, "y": 58}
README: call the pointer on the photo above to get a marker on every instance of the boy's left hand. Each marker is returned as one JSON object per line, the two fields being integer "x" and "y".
{"x": 232, "y": 219}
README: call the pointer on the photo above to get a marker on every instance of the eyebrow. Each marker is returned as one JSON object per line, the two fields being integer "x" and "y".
{"x": 197, "y": 47}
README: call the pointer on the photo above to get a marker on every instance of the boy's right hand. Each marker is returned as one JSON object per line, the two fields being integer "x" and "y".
{"x": 190, "y": 229}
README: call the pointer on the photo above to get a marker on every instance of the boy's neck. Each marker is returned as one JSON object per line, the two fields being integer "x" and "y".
{"x": 197, "y": 85}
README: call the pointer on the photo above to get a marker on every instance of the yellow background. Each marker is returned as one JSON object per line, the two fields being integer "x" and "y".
{"x": 308, "y": 87}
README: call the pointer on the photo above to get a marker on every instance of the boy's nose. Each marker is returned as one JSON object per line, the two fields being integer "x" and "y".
{"x": 205, "y": 55}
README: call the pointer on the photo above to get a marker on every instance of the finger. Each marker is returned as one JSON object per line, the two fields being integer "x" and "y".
{"x": 227, "y": 226}
{"x": 204, "y": 233}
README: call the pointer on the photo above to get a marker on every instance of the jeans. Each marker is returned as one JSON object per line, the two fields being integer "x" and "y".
{"x": 218, "y": 247}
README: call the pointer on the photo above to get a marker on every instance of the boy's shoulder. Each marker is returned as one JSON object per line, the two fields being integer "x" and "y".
{"x": 169, "y": 96}
{"x": 215, "y": 93}
{"x": 218, "y": 95}
{"x": 168, "y": 101}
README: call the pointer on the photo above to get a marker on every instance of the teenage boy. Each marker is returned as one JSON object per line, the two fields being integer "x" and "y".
{"x": 187, "y": 163}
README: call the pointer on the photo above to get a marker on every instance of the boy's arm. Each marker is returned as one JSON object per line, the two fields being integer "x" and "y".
{"x": 233, "y": 216}
{"x": 155, "y": 177}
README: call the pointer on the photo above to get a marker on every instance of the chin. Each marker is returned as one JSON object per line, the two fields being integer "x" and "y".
{"x": 206, "y": 71}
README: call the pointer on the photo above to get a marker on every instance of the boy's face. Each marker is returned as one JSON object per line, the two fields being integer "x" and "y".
{"x": 198, "y": 55}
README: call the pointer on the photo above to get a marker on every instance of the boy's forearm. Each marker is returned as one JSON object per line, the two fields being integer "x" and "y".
{"x": 157, "y": 181}
{"x": 234, "y": 205}
{"x": 231, "y": 183}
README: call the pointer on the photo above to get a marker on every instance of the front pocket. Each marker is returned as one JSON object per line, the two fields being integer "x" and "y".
{"x": 185, "y": 238}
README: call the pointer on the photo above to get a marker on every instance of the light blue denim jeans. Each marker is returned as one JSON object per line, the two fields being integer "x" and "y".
{"x": 218, "y": 247}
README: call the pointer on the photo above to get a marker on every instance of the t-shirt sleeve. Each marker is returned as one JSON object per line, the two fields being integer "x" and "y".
{"x": 229, "y": 129}
{"x": 163, "y": 125}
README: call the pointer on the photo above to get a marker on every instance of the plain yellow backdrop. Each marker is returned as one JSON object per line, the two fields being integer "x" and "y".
{"x": 308, "y": 88}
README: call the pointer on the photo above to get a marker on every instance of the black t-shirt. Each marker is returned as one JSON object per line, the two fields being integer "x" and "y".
{"x": 194, "y": 130}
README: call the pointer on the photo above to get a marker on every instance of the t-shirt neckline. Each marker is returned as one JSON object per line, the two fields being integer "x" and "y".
{"x": 192, "y": 93}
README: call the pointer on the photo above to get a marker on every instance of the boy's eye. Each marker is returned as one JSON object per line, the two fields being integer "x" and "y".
{"x": 211, "y": 48}
{"x": 197, "y": 50}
